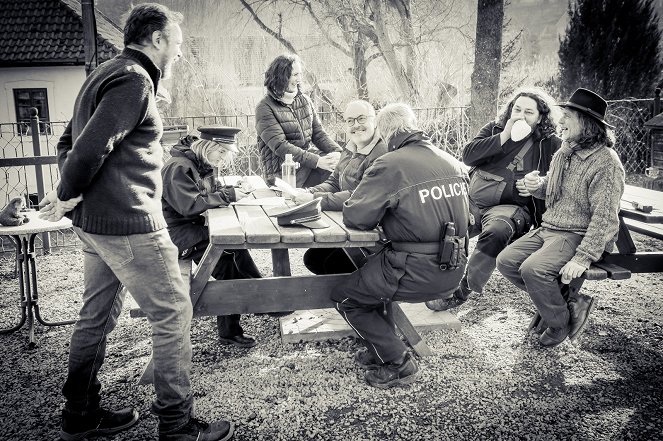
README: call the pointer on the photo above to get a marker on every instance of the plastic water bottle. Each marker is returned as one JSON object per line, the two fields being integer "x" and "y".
{"x": 288, "y": 171}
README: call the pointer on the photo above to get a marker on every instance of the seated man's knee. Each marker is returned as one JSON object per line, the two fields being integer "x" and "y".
{"x": 532, "y": 269}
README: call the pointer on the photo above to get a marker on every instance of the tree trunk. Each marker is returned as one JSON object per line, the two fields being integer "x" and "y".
{"x": 487, "y": 59}
{"x": 407, "y": 91}
{"x": 359, "y": 67}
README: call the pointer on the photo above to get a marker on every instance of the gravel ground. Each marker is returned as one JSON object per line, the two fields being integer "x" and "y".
{"x": 487, "y": 381}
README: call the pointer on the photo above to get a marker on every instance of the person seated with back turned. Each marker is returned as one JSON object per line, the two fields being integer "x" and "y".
{"x": 189, "y": 189}
{"x": 499, "y": 157}
{"x": 364, "y": 146}
{"x": 582, "y": 192}
{"x": 418, "y": 194}
{"x": 287, "y": 122}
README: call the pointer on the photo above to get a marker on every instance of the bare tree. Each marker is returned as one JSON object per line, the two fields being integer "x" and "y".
{"x": 487, "y": 63}
{"x": 366, "y": 30}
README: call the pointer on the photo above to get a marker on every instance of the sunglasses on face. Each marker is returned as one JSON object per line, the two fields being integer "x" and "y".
{"x": 361, "y": 119}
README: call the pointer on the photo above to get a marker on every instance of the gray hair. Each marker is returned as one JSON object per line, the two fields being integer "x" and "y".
{"x": 370, "y": 110}
{"x": 394, "y": 119}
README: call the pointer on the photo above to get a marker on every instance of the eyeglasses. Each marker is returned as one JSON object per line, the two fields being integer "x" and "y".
{"x": 361, "y": 119}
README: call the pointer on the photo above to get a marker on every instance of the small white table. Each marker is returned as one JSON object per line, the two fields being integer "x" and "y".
{"x": 24, "y": 238}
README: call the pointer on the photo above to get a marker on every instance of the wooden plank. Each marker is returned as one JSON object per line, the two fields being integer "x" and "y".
{"x": 615, "y": 272}
{"x": 651, "y": 230}
{"x": 204, "y": 271}
{"x": 281, "y": 262}
{"x": 258, "y": 228}
{"x": 353, "y": 233}
{"x": 335, "y": 233}
{"x": 290, "y": 234}
{"x": 222, "y": 297}
{"x": 224, "y": 227}
{"x": 595, "y": 273}
{"x": 642, "y": 262}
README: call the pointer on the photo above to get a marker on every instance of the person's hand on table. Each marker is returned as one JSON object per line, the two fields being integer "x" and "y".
{"x": 570, "y": 271}
{"x": 53, "y": 209}
{"x": 302, "y": 196}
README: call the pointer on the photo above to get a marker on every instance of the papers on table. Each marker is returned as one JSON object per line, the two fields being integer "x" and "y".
{"x": 266, "y": 201}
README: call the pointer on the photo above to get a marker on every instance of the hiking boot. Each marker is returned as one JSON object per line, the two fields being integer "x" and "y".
{"x": 366, "y": 360}
{"x": 240, "y": 340}
{"x": 102, "y": 422}
{"x": 580, "y": 307}
{"x": 553, "y": 336}
{"x": 460, "y": 296}
{"x": 390, "y": 374}
{"x": 537, "y": 326}
{"x": 197, "y": 430}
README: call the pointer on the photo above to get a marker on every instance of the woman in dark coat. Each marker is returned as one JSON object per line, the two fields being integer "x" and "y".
{"x": 287, "y": 122}
{"x": 189, "y": 189}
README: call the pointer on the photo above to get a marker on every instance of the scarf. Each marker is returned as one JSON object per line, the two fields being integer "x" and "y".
{"x": 288, "y": 97}
{"x": 559, "y": 163}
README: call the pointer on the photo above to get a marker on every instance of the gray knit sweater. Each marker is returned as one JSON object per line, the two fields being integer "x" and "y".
{"x": 592, "y": 186}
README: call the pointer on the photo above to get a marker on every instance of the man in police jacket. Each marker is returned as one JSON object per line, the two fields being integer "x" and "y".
{"x": 418, "y": 194}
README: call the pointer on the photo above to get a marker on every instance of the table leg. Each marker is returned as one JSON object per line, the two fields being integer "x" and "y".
{"x": 35, "y": 296}
{"x": 281, "y": 262}
{"x": 20, "y": 256}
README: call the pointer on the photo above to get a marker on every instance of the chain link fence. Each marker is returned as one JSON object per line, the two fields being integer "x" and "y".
{"x": 448, "y": 128}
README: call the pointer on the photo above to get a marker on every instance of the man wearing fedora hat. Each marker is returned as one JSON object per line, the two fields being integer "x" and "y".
{"x": 189, "y": 189}
{"x": 582, "y": 192}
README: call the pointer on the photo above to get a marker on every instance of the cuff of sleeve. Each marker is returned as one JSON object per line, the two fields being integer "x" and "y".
{"x": 582, "y": 260}
{"x": 232, "y": 195}
{"x": 64, "y": 194}
{"x": 311, "y": 160}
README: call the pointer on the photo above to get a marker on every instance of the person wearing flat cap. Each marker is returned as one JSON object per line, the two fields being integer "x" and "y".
{"x": 189, "y": 189}
{"x": 582, "y": 191}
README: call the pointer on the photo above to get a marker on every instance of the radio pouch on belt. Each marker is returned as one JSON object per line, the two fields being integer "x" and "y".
{"x": 449, "y": 253}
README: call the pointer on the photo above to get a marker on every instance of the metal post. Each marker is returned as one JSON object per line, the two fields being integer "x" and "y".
{"x": 657, "y": 101}
{"x": 36, "y": 147}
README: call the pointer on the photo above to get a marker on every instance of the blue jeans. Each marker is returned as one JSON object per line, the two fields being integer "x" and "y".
{"x": 147, "y": 265}
{"x": 532, "y": 263}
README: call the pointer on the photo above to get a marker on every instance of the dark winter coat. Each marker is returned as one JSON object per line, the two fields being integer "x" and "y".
{"x": 348, "y": 173}
{"x": 189, "y": 190}
{"x": 411, "y": 192}
{"x": 485, "y": 152}
{"x": 290, "y": 129}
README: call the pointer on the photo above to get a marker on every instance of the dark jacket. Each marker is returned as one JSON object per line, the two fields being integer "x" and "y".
{"x": 348, "y": 173}
{"x": 189, "y": 190}
{"x": 412, "y": 192}
{"x": 290, "y": 129}
{"x": 110, "y": 151}
{"x": 485, "y": 152}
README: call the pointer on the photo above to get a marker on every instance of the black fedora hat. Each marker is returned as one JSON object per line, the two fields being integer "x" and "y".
{"x": 589, "y": 103}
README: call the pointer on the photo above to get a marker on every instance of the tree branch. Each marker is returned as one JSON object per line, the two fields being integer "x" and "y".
{"x": 266, "y": 28}
{"x": 309, "y": 8}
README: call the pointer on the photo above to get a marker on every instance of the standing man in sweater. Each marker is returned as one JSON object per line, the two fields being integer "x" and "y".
{"x": 109, "y": 159}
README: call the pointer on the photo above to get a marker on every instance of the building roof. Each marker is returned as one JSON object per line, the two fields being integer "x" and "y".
{"x": 50, "y": 32}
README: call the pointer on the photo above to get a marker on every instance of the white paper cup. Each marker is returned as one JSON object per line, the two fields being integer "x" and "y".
{"x": 520, "y": 130}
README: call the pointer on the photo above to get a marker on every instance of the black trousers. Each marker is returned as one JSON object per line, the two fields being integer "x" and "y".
{"x": 232, "y": 265}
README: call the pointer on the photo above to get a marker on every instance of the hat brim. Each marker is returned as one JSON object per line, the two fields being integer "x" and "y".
{"x": 315, "y": 224}
{"x": 587, "y": 112}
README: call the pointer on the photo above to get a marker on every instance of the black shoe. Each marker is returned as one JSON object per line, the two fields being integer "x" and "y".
{"x": 390, "y": 375}
{"x": 241, "y": 340}
{"x": 102, "y": 422}
{"x": 580, "y": 307}
{"x": 537, "y": 326}
{"x": 460, "y": 296}
{"x": 197, "y": 430}
{"x": 553, "y": 336}
{"x": 278, "y": 314}
{"x": 366, "y": 360}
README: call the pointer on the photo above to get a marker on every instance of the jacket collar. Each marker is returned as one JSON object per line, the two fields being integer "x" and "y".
{"x": 367, "y": 149}
{"x": 153, "y": 71}
{"x": 184, "y": 151}
{"x": 279, "y": 100}
{"x": 588, "y": 151}
{"x": 405, "y": 138}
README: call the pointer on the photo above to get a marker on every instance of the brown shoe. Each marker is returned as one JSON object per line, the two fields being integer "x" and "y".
{"x": 580, "y": 307}
{"x": 553, "y": 336}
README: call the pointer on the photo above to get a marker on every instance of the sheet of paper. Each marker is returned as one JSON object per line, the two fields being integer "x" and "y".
{"x": 268, "y": 201}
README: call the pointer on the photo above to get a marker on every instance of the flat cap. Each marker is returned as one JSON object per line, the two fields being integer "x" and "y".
{"x": 308, "y": 214}
{"x": 220, "y": 134}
